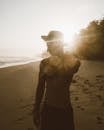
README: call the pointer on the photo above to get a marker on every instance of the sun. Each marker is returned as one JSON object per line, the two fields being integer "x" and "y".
{"x": 69, "y": 36}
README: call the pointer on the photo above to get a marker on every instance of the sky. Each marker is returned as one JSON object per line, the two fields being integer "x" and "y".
{"x": 22, "y": 22}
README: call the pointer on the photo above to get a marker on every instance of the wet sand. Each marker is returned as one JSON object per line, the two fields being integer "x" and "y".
{"x": 17, "y": 92}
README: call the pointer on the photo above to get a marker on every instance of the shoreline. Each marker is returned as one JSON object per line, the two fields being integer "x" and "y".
{"x": 19, "y": 63}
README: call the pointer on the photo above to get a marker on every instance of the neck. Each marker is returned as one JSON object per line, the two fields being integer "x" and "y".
{"x": 60, "y": 54}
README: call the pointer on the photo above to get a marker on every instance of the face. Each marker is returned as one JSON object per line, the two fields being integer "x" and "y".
{"x": 54, "y": 48}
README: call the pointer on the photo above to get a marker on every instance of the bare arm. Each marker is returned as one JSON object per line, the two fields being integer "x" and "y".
{"x": 40, "y": 87}
{"x": 39, "y": 94}
{"x": 77, "y": 65}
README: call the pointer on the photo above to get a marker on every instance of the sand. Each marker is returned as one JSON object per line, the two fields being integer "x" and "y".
{"x": 17, "y": 92}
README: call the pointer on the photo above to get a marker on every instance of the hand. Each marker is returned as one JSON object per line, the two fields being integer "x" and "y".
{"x": 36, "y": 117}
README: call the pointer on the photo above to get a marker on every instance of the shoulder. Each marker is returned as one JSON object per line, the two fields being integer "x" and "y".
{"x": 77, "y": 65}
{"x": 44, "y": 63}
{"x": 73, "y": 61}
{"x": 72, "y": 58}
{"x": 78, "y": 62}
{"x": 50, "y": 61}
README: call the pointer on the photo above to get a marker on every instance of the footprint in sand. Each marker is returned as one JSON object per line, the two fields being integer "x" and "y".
{"x": 99, "y": 97}
{"x": 81, "y": 108}
{"x": 74, "y": 81}
{"x": 99, "y": 120}
{"x": 99, "y": 76}
{"x": 76, "y": 99}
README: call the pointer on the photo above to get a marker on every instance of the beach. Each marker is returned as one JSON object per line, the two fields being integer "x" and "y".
{"x": 17, "y": 92}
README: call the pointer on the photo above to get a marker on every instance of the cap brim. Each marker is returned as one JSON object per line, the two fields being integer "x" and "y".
{"x": 44, "y": 38}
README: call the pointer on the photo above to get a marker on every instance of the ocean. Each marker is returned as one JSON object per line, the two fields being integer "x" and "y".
{"x": 6, "y": 61}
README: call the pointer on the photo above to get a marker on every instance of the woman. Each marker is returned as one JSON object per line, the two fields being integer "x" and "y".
{"x": 55, "y": 76}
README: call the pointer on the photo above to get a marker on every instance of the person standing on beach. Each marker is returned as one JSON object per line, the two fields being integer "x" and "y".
{"x": 55, "y": 77}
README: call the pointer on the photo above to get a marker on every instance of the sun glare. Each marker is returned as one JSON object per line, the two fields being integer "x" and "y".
{"x": 68, "y": 36}
{"x": 68, "y": 39}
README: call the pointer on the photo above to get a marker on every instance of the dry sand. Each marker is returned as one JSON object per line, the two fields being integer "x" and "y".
{"x": 17, "y": 91}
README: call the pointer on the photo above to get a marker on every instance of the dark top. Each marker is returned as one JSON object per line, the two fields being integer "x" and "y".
{"x": 57, "y": 73}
